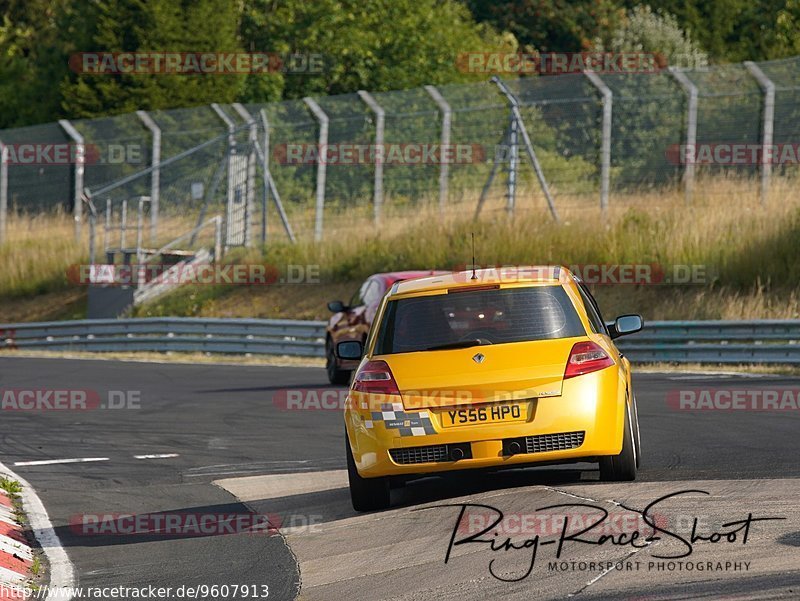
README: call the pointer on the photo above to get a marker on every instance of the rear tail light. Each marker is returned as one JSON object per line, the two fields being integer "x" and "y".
{"x": 375, "y": 378}
{"x": 586, "y": 357}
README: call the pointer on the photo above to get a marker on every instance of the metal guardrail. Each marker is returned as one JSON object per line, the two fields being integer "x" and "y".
{"x": 183, "y": 334}
{"x": 774, "y": 341}
{"x": 760, "y": 341}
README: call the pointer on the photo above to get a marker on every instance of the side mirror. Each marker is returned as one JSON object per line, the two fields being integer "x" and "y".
{"x": 336, "y": 306}
{"x": 350, "y": 350}
{"x": 626, "y": 324}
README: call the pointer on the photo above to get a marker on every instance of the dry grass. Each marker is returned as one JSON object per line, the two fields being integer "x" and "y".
{"x": 36, "y": 253}
{"x": 39, "y": 250}
{"x": 309, "y": 301}
{"x": 725, "y": 229}
{"x": 750, "y": 252}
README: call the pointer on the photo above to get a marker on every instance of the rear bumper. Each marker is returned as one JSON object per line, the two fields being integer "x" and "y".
{"x": 585, "y": 422}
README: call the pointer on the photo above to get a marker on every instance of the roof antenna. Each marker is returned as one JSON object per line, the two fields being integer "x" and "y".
{"x": 474, "y": 275}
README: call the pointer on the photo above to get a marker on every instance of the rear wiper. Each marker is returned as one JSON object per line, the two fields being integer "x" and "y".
{"x": 459, "y": 344}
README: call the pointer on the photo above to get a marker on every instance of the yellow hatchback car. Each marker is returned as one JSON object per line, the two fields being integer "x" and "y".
{"x": 488, "y": 369}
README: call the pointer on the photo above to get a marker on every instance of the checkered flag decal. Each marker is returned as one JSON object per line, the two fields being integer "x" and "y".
{"x": 394, "y": 416}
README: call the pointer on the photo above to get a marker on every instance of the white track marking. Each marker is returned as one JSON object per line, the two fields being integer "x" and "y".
{"x": 702, "y": 374}
{"x": 719, "y": 376}
{"x": 251, "y": 464}
{"x": 609, "y": 570}
{"x": 255, "y": 471}
{"x": 62, "y": 573}
{"x": 54, "y": 461}
{"x": 161, "y": 456}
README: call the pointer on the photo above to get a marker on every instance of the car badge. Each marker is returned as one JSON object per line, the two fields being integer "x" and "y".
{"x": 478, "y": 358}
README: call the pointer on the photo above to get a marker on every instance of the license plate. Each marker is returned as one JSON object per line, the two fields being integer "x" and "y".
{"x": 485, "y": 414}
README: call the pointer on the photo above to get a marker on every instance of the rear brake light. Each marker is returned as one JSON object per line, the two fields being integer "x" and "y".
{"x": 473, "y": 288}
{"x": 375, "y": 378}
{"x": 586, "y": 357}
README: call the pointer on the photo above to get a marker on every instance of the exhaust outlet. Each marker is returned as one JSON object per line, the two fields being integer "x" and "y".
{"x": 514, "y": 447}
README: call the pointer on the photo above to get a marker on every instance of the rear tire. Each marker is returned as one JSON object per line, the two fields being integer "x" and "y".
{"x": 622, "y": 467}
{"x": 337, "y": 376}
{"x": 366, "y": 494}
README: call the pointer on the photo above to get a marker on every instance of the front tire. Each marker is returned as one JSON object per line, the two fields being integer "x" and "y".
{"x": 622, "y": 467}
{"x": 366, "y": 494}
{"x": 336, "y": 376}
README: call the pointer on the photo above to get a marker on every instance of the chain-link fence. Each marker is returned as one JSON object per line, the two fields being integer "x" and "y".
{"x": 312, "y": 168}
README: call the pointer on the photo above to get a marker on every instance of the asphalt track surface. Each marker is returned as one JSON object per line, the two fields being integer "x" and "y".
{"x": 232, "y": 441}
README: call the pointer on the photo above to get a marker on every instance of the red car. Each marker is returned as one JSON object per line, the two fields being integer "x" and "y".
{"x": 352, "y": 322}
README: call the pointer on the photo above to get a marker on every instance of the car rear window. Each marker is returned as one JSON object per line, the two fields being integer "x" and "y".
{"x": 498, "y": 316}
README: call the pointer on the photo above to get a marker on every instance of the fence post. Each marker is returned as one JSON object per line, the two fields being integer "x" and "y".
{"x": 92, "y": 226}
{"x": 380, "y": 121}
{"x": 217, "y": 239}
{"x": 267, "y": 175}
{"x": 3, "y": 191}
{"x": 107, "y": 228}
{"x": 270, "y": 189}
{"x": 323, "y": 120}
{"x": 517, "y": 116}
{"x": 140, "y": 229}
{"x": 231, "y": 152}
{"x": 605, "y": 143}
{"x": 691, "y": 131}
{"x": 444, "y": 166}
{"x": 80, "y": 158}
{"x": 251, "y": 168}
{"x": 513, "y": 163}
{"x": 155, "y": 174}
{"x": 767, "y": 128}
{"x": 123, "y": 227}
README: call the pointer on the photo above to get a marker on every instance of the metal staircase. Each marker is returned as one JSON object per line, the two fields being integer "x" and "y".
{"x": 140, "y": 272}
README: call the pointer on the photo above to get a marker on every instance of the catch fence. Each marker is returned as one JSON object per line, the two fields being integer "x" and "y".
{"x": 309, "y": 168}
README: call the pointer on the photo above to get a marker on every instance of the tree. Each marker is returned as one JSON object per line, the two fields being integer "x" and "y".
{"x": 374, "y": 44}
{"x": 31, "y": 61}
{"x": 658, "y": 33}
{"x": 737, "y": 30}
{"x": 787, "y": 31}
{"x": 154, "y": 25}
{"x": 550, "y": 25}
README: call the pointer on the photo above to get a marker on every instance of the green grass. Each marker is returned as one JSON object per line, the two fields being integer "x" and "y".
{"x": 12, "y": 487}
{"x": 36, "y": 566}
